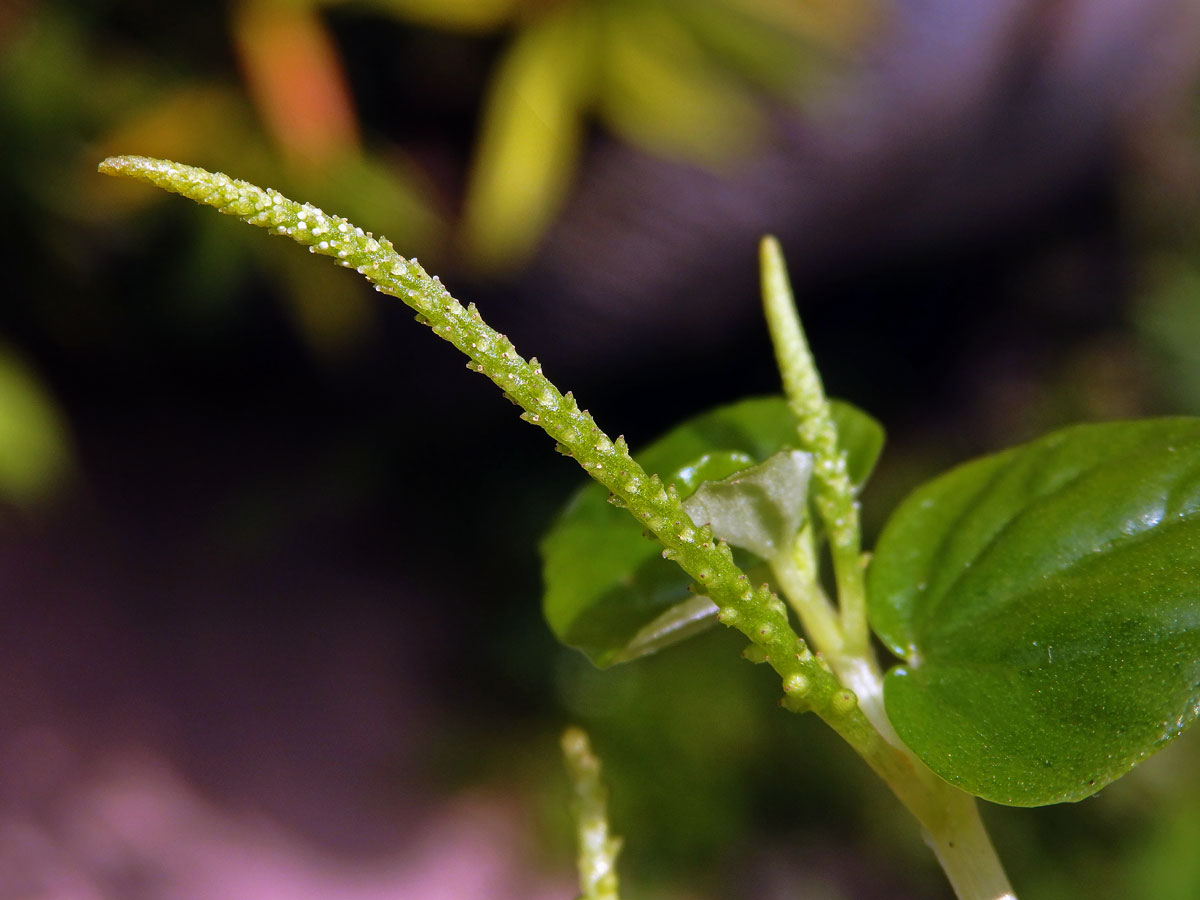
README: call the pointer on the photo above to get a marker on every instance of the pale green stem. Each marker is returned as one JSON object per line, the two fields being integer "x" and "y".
{"x": 966, "y": 854}
{"x": 597, "y": 848}
{"x": 833, "y": 492}
{"x": 949, "y": 818}
{"x": 795, "y": 570}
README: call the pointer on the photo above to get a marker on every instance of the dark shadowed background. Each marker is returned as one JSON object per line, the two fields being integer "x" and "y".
{"x": 269, "y": 590}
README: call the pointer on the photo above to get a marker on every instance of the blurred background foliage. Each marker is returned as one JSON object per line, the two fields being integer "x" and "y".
{"x": 258, "y": 524}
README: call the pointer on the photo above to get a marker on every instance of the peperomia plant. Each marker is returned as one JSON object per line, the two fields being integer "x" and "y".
{"x": 1043, "y": 602}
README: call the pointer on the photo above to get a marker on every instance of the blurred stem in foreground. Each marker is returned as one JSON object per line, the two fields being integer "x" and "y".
{"x": 597, "y": 848}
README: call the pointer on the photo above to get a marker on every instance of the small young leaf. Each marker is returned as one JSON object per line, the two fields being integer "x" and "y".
{"x": 679, "y": 622}
{"x": 608, "y": 591}
{"x": 759, "y": 509}
{"x": 1047, "y": 601}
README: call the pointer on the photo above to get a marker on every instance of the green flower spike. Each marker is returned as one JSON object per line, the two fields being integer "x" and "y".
{"x": 757, "y": 613}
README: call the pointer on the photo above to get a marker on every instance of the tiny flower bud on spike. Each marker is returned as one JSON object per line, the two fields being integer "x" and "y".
{"x": 796, "y": 685}
{"x": 844, "y": 702}
{"x": 754, "y": 654}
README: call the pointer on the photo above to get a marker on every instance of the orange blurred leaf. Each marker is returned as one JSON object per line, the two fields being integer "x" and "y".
{"x": 295, "y": 76}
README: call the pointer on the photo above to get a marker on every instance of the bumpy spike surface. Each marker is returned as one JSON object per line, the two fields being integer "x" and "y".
{"x": 833, "y": 492}
{"x": 576, "y": 433}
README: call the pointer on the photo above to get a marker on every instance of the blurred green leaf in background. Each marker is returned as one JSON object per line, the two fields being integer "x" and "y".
{"x": 36, "y": 459}
{"x": 692, "y": 82}
{"x": 689, "y": 81}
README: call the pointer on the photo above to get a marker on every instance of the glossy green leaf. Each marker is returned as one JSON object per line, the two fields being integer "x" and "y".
{"x": 608, "y": 591}
{"x": 1047, "y": 602}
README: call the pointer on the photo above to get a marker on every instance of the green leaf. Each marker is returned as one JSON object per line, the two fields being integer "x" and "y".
{"x": 1047, "y": 601}
{"x": 861, "y": 437}
{"x": 608, "y": 591}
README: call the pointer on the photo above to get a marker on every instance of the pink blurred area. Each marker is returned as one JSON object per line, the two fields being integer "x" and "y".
{"x": 204, "y": 699}
{"x": 253, "y": 741}
{"x": 130, "y": 826}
